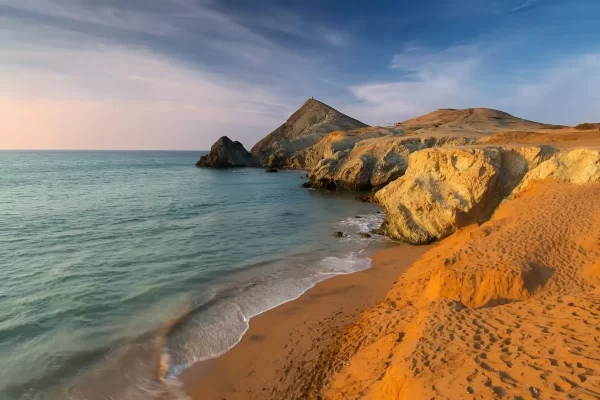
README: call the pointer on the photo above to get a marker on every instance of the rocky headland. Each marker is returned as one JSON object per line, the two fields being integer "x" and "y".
{"x": 507, "y": 304}
{"x": 433, "y": 174}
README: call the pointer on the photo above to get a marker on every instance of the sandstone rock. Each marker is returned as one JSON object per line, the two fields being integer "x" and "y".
{"x": 372, "y": 163}
{"x": 443, "y": 189}
{"x": 337, "y": 141}
{"x": 573, "y": 166}
{"x": 226, "y": 153}
{"x": 365, "y": 235}
{"x": 516, "y": 162}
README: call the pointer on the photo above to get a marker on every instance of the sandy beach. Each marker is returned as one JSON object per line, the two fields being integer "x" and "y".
{"x": 280, "y": 355}
{"x": 508, "y": 309}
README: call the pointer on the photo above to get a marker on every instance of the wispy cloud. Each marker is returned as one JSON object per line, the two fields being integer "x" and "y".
{"x": 45, "y": 61}
{"x": 129, "y": 96}
{"x": 431, "y": 79}
{"x": 564, "y": 91}
{"x": 331, "y": 36}
{"x": 567, "y": 91}
{"x": 524, "y": 5}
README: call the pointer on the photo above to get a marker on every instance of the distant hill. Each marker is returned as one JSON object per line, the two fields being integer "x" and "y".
{"x": 304, "y": 128}
{"x": 482, "y": 121}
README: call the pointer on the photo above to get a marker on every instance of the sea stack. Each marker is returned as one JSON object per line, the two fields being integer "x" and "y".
{"x": 226, "y": 153}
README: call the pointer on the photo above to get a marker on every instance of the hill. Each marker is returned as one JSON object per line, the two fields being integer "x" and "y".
{"x": 480, "y": 121}
{"x": 309, "y": 124}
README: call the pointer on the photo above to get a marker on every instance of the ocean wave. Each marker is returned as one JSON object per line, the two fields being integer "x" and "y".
{"x": 364, "y": 223}
{"x": 211, "y": 324}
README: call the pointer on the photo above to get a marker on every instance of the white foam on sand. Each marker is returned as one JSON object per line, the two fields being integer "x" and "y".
{"x": 220, "y": 327}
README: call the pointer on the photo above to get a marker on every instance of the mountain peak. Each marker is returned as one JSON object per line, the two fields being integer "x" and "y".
{"x": 313, "y": 120}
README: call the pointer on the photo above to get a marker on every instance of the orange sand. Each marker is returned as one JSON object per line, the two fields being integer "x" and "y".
{"x": 532, "y": 325}
{"x": 284, "y": 351}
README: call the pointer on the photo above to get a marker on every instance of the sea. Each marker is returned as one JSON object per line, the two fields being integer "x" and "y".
{"x": 119, "y": 269}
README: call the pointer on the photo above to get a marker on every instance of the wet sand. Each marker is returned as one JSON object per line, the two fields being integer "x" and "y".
{"x": 284, "y": 346}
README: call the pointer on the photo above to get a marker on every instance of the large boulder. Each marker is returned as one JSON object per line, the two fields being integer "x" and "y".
{"x": 442, "y": 190}
{"x": 577, "y": 166}
{"x": 226, "y": 153}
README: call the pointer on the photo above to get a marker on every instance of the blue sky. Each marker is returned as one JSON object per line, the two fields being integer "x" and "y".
{"x": 177, "y": 74}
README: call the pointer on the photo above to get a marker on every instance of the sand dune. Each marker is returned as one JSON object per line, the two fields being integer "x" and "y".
{"x": 509, "y": 309}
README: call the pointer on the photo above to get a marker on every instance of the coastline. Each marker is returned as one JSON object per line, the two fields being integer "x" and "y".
{"x": 281, "y": 342}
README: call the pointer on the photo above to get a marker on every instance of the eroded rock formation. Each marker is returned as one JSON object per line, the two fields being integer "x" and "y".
{"x": 372, "y": 163}
{"x": 442, "y": 190}
{"x": 575, "y": 166}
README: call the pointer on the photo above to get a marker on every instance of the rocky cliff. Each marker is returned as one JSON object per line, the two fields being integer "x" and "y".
{"x": 367, "y": 159}
{"x": 446, "y": 189}
{"x": 435, "y": 174}
{"x": 303, "y": 129}
{"x": 226, "y": 153}
{"x": 372, "y": 163}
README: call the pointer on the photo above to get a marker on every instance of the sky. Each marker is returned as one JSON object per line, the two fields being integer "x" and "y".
{"x": 178, "y": 74}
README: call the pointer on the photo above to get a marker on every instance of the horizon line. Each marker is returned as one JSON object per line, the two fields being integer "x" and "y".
{"x": 100, "y": 150}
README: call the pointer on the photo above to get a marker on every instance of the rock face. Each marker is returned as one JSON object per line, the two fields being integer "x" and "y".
{"x": 518, "y": 161}
{"x": 226, "y": 153}
{"x": 575, "y": 166}
{"x": 442, "y": 190}
{"x": 303, "y": 129}
{"x": 372, "y": 163}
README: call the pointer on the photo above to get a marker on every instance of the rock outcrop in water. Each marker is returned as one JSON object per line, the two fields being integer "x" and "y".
{"x": 226, "y": 153}
{"x": 303, "y": 129}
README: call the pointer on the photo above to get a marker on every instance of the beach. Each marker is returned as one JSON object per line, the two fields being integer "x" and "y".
{"x": 506, "y": 309}
{"x": 280, "y": 353}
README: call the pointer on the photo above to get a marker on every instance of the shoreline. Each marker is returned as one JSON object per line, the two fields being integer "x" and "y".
{"x": 267, "y": 360}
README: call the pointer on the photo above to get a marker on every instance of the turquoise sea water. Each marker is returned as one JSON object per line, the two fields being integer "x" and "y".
{"x": 119, "y": 269}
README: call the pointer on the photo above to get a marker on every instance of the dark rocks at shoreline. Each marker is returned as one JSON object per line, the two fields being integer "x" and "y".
{"x": 365, "y": 235}
{"x": 226, "y": 153}
{"x": 367, "y": 198}
{"x": 306, "y": 185}
{"x": 339, "y": 234}
{"x": 269, "y": 170}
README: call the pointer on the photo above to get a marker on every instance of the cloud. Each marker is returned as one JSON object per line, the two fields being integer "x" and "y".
{"x": 223, "y": 78}
{"x": 332, "y": 37}
{"x": 99, "y": 13}
{"x": 522, "y": 6}
{"x": 80, "y": 93}
{"x": 566, "y": 91}
{"x": 430, "y": 80}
